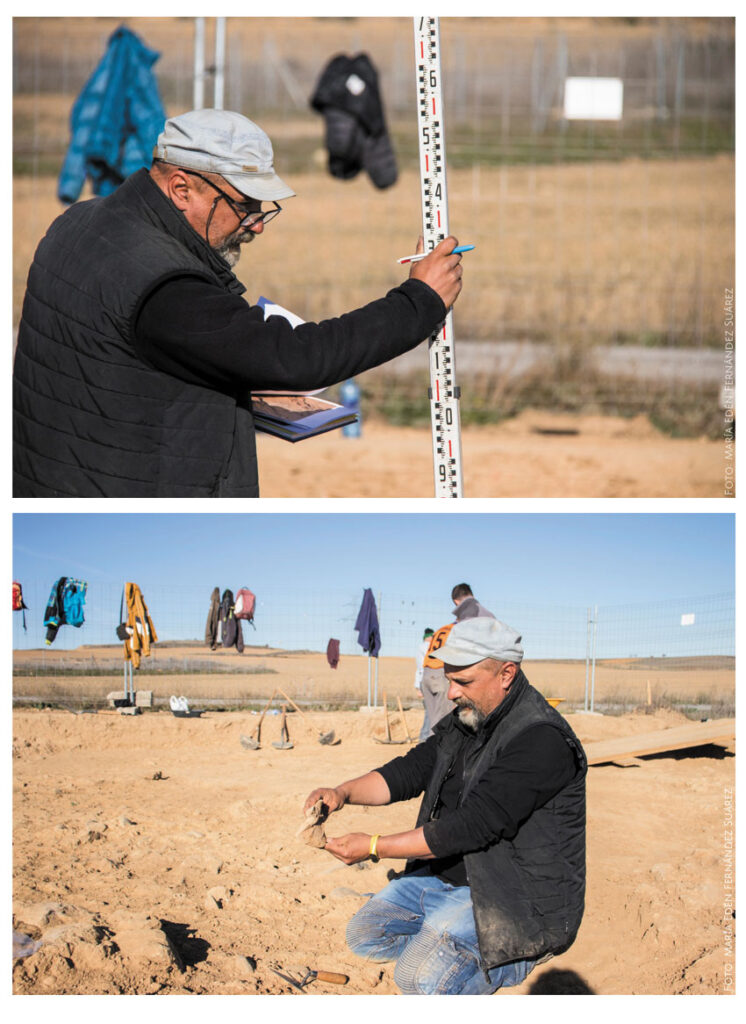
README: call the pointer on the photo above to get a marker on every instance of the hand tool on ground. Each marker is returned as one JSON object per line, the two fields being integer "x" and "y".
{"x": 288, "y": 979}
{"x": 253, "y": 742}
{"x": 324, "y": 738}
{"x": 290, "y": 701}
{"x": 284, "y": 742}
{"x": 328, "y": 976}
{"x": 387, "y": 725}
{"x": 401, "y": 712}
{"x": 328, "y": 739}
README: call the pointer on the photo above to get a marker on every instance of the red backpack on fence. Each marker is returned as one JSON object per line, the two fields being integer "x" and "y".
{"x": 245, "y": 605}
{"x": 19, "y": 605}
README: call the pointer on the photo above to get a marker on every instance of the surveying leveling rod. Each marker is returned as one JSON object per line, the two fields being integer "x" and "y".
{"x": 443, "y": 393}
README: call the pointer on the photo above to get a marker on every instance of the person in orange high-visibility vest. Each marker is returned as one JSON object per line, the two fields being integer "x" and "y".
{"x": 419, "y": 662}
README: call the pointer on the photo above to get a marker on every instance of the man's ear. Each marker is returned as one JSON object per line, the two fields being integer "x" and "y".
{"x": 510, "y": 671}
{"x": 178, "y": 188}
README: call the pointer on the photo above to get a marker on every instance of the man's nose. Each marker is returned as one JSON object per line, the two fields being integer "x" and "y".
{"x": 454, "y": 691}
{"x": 257, "y": 228}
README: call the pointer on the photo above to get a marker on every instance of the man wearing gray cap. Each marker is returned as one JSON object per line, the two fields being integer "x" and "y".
{"x": 434, "y": 683}
{"x": 136, "y": 352}
{"x": 495, "y": 876}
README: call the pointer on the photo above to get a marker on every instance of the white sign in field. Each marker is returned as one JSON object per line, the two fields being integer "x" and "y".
{"x": 594, "y": 99}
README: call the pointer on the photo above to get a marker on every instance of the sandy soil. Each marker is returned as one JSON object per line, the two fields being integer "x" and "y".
{"x": 607, "y": 458}
{"x": 156, "y": 854}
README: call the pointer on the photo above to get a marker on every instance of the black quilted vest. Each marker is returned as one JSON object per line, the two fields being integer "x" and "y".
{"x": 528, "y": 892}
{"x": 91, "y": 419}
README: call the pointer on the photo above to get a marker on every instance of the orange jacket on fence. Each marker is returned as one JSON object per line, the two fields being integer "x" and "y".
{"x": 142, "y": 630}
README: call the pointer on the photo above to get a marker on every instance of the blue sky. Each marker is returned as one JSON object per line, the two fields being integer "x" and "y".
{"x": 309, "y": 571}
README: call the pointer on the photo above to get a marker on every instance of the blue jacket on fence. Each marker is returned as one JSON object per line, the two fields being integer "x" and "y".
{"x": 65, "y": 606}
{"x": 115, "y": 121}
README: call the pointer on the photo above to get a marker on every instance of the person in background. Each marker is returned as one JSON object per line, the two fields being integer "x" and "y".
{"x": 419, "y": 658}
{"x": 466, "y": 605}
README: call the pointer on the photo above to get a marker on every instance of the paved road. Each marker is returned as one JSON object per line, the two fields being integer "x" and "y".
{"x": 513, "y": 358}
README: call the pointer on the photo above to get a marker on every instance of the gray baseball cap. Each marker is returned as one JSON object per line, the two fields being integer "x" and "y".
{"x": 476, "y": 639}
{"x": 225, "y": 143}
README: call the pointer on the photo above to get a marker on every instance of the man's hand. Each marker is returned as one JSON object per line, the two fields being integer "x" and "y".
{"x": 441, "y": 269}
{"x": 350, "y": 849}
{"x": 332, "y": 800}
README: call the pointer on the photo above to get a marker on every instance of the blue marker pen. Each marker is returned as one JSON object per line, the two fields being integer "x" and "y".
{"x": 421, "y": 255}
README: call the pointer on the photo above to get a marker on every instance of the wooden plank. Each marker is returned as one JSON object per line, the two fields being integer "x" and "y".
{"x": 698, "y": 734}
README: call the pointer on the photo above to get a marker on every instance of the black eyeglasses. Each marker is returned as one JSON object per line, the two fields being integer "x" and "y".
{"x": 247, "y": 218}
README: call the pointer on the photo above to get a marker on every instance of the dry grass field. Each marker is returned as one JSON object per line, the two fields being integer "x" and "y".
{"x": 580, "y": 273}
{"x": 307, "y": 678}
{"x": 572, "y": 252}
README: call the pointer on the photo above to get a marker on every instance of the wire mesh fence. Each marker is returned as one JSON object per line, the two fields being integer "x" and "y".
{"x": 597, "y": 656}
{"x": 604, "y": 247}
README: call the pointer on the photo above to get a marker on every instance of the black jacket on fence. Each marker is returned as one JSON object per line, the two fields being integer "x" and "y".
{"x": 54, "y": 613}
{"x": 515, "y": 825}
{"x": 137, "y": 354}
{"x": 230, "y": 632}
{"x": 348, "y": 96}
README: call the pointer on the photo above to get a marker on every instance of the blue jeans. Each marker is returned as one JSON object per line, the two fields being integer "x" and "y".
{"x": 428, "y": 927}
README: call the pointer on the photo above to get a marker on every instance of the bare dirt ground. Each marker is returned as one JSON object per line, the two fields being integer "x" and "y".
{"x": 157, "y": 855}
{"x": 607, "y": 457}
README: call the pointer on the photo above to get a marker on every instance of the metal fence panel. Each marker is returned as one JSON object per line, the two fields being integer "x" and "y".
{"x": 602, "y": 247}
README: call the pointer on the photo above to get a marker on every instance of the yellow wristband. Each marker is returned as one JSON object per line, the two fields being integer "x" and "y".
{"x": 373, "y": 844}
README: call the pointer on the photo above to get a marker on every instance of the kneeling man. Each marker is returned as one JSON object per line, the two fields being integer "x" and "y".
{"x": 495, "y": 875}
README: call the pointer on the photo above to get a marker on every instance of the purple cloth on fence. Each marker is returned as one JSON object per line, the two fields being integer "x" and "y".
{"x": 368, "y": 636}
{"x": 332, "y": 653}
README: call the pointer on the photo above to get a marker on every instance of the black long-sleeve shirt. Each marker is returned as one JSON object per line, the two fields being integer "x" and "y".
{"x": 200, "y": 333}
{"x": 532, "y": 769}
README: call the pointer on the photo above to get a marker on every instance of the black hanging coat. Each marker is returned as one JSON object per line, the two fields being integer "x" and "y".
{"x": 231, "y": 634}
{"x": 348, "y": 97}
{"x": 54, "y": 613}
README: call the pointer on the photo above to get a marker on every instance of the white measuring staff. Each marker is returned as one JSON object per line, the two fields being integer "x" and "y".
{"x": 444, "y": 394}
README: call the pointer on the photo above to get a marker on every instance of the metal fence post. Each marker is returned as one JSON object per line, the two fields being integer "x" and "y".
{"x": 587, "y": 656}
{"x": 199, "y": 63}
{"x": 219, "y": 91}
{"x": 378, "y": 613}
{"x": 593, "y": 657}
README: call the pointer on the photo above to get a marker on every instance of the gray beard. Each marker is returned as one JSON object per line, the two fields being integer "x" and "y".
{"x": 469, "y": 714}
{"x": 230, "y": 249}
